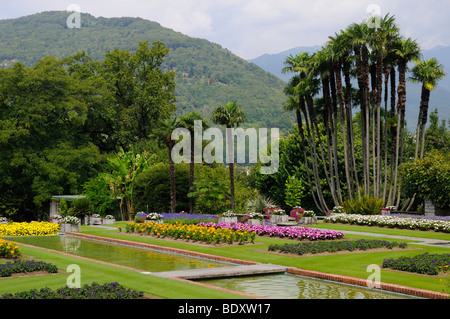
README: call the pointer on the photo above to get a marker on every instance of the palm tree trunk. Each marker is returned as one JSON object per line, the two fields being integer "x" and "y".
{"x": 378, "y": 105}
{"x": 401, "y": 122}
{"x": 349, "y": 116}
{"x": 340, "y": 94}
{"x": 230, "y": 146}
{"x": 191, "y": 174}
{"x": 425, "y": 103}
{"x": 366, "y": 95}
{"x": 311, "y": 138}
{"x": 173, "y": 192}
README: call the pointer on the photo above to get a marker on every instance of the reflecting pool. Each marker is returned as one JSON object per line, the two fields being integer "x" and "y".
{"x": 140, "y": 258}
{"x": 288, "y": 286}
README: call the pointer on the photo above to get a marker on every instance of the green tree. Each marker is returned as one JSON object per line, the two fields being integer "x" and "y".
{"x": 230, "y": 115}
{"x": 428, "y": 178}
{"x": 142, "y": 91}
{"x": 294, "y": 191}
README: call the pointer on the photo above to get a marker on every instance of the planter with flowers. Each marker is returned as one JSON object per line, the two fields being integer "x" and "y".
{"x": 155, "y": 218}
{"x": 228, "y": 217}
{"x": 69, "y": 224}
{"x": 108, "y": 220}
{"x": 276, "y": 215}
{"x": 387, "y": 210}
{"x": 308, "y": 218}
{"x": 56, "y": 219}
{"x": 95, "y": 219}
{"x": 254, "y": 218}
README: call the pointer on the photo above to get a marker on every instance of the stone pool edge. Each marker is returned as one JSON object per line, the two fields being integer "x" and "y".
{"x": 417, "y": 292}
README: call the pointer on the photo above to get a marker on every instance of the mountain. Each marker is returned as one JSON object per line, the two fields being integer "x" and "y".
{"x": 207, "y": 75}
{"x": 439, "y": 99}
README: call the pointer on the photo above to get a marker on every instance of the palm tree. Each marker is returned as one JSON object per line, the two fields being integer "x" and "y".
{"x": 406, "y": 50}
{"x": 359, "y": 40}
{"x": 427, "y": 72}
{"x": 163, "y": 133}
{"x": 125, "y": 168}
{"x": 230, "y": 115}
{"x": 188, "y": 121}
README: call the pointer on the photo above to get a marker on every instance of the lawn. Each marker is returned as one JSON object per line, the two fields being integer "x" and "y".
{"x": 349, "y": 264}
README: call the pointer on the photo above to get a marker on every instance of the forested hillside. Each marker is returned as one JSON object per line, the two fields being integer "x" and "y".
{"x": 207, "y": 75}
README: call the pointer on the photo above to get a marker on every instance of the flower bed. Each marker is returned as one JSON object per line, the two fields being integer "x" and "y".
{"x": 93, "y": 291}
{"x": 9, "y": 249}
{"x": 321, "y": 247}
{"x": 391, "y": 222}
{"x": 25, "y": 266}
{"x": 299, "y": 233}
{"x": 29, "y": 229}
{"x": 192, "y": 232}
{"x": 430, "y": 264}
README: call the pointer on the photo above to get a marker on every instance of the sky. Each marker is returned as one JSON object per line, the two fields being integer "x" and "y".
{"x": 251, "y": 28}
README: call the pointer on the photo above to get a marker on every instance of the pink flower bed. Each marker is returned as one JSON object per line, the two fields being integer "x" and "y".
{"x": 279, "y": 231}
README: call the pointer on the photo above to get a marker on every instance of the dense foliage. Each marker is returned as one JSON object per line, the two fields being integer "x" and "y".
{"x": 429, "y": 178}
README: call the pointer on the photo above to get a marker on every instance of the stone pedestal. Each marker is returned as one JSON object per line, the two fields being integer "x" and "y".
{"x": 65, "y": 228}
{"x": 307, "y": 220}
{"x": 228, "y": 219}
{"x": 109, "y": 221}
{"x": 429, "y": 208}
{"x": 255, "y": 221}
{"x": 95, "y": 221}
{"x": 278, "y": 219}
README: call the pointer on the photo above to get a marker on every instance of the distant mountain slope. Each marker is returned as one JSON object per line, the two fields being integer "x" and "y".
{"x": 207, "y": 75}
{"x": 440, "y": 97}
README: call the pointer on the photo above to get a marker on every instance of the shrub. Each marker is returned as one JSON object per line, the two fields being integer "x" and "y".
{"x": 365, "y": 205}
{"x": 9, "y": 249}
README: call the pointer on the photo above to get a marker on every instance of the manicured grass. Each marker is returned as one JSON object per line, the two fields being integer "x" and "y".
{"x": 101, "y": 273}
{"x": 352, "y": 264}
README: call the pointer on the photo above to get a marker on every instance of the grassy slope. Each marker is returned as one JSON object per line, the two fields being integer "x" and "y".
{"x": 354, "y": 265}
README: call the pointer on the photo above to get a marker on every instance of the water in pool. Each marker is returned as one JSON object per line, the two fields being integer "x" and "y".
{"x": 139, "y": 258}
{"x": 288, "y": 286}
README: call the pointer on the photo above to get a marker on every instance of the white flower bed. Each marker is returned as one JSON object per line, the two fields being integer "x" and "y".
{"x": 391, "y": 222}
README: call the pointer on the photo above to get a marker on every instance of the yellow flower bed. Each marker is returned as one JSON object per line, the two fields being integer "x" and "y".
{"x": 192, "y": 232}
{"x": 29, "y": 229}
{"x": 9, "y": 249}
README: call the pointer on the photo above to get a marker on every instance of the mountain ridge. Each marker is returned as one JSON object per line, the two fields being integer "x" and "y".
{"x": 207, "y": 75}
